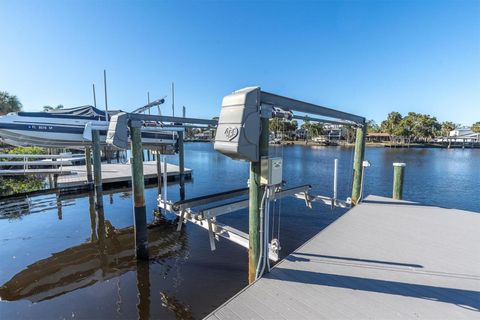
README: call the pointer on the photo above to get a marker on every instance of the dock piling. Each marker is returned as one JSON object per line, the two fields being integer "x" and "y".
{"x": 181, "y": 163}
{"x": 357, "y": 163}
{"x": 97, "y": 167}
{"x": 398, "y": 174}
{"x": 255, "y": 196}
{"x": 88, "y": 163}
{"x": 139, "y": 209}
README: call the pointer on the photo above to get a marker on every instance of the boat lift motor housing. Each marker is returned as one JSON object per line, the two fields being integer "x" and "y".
{"x": 117, "y": 134}
{"x": 238, "y": 130}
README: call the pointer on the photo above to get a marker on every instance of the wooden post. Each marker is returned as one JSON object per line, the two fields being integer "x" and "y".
{"x": 88, "y": 163}
{"x": 97, "y": 167}
{"x": 398, "y": 173}
{"x": 255, "y": 197}
{"x": 357, "y": 163}
{"x": 138, "y": 184}
{"x": 181, "y": 162}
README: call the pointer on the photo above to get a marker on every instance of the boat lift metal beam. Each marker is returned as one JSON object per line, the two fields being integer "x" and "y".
{"x": 147, "y": 117}
{"x": 321, "y": 120}
{"x": 190, "y": 203}
{"x": 206, "y": 218}
{"x": 289, "y": 104}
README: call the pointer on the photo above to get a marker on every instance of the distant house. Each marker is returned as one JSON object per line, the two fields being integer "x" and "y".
{"x": 378, "y": 137}
{"x": 334, "y": 131}
{"x": 334, "y": 134}
{"x": 460, "y": 132}
{"x": 205, "y": 135}
{"x": 463, "y": 135}
{"x": 301, "y": 133}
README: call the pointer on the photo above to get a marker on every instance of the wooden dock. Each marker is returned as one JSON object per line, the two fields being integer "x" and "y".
{"x": 115, "y": 173}
{"x": 383, "y": 259}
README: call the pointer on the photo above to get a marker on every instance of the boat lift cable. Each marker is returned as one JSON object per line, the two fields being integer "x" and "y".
{"x": 260, "y": 264}
{"x": 280, "y": 204}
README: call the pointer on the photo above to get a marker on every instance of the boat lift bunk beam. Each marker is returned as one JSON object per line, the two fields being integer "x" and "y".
{"x": 206, "y": 218}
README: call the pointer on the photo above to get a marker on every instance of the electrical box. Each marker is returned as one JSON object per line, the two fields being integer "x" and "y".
{"x": 271, "y": 169}
{"x": 238, "y": 130}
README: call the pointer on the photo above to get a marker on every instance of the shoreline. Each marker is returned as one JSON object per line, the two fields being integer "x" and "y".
{"x": 381, "y": 145}
{"x": 367, "y": 144}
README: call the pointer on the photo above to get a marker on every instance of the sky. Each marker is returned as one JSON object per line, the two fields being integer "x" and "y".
{"x": 363, "y": 57}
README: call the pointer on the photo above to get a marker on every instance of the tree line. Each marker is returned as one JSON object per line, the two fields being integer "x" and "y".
{"x": 414, "y": 126}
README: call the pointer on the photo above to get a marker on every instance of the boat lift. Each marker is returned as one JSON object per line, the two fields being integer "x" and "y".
{"x": 241, "y": 131}
{"x": 242, "y": 134}
{"x": 206, "y": 216}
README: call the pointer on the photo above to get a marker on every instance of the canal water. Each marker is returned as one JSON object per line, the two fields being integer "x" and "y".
{"x": 61, "y": 258}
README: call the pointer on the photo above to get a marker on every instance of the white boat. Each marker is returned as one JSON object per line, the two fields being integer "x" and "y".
{"x": 71, "y": 128}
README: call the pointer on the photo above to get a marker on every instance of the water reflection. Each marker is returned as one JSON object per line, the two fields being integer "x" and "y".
{"x": 143, "y": 287}
{"x": 108, "y": 254}
{"x": 14, "y": 208}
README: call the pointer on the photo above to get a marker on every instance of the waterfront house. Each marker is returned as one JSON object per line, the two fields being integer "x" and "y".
{"x": 378, "y": 137}
{"x": 460, "y": 132}
{"x": 462, "y": 135}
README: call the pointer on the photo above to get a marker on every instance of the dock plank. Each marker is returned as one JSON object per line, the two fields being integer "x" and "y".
{"x": 383, "y": 259}
{"x": 115, "y": 173}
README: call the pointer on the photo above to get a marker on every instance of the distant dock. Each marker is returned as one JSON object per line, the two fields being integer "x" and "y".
{"x": 383, "y": 259}
{"x": 116, "y": 173}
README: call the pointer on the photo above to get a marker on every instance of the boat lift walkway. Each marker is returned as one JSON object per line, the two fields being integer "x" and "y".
{"x": 383, "y": 259}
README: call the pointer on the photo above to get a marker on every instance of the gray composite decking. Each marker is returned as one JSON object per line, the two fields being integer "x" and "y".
{"x": 115, "y": 173}
{"x": 383, "y": 259}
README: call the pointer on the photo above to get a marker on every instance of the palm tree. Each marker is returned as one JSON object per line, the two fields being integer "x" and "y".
{"x": 476, "y": 127}
{"x": 9, "y": 103}
{"x": 448, "y": 126}
{"x": 50, "y": 108}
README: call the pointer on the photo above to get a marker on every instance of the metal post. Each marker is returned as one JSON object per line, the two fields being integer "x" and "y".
{"x": 165, "y": 179}
{"x": 105, "y": 87}
{"x": 357, "y": 163}
{"x": 97, "y": 167}
{"x": 173, "y": 99}
{"x": 159, "y": 172}
{"x": 94, "y": 96}
{"x": 88, "y": 164}
{"x": 335, "y": 176}
{"x": 398, "y": 173}
{"x": 138, "y": 184}
{"x": 255, "y": 197}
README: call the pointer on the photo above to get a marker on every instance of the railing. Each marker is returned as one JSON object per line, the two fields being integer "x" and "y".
{"x": 37, "y": 160}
